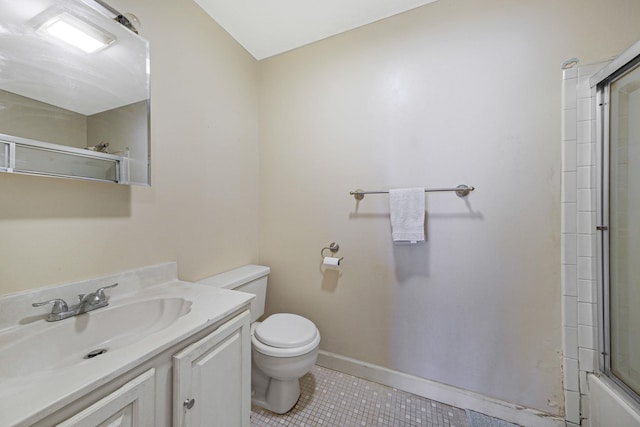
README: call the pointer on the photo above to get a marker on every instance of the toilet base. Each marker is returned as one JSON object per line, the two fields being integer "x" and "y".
{"x": 275, "y": 395}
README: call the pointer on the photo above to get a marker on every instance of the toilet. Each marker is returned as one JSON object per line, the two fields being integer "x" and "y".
{"x": 284, "y": 346}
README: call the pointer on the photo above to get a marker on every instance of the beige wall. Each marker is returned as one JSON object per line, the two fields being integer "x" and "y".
{"x": 458, "y": 91}
{"x": 202, "y": 208}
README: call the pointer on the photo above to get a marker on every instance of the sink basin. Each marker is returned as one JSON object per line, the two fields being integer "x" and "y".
{"x": 46, "y": 346}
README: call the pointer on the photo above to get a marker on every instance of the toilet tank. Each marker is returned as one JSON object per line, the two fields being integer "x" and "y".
{"x": 249, "y": 278}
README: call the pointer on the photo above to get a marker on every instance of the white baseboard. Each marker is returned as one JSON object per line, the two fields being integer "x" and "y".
{"x": 440, "y": 392}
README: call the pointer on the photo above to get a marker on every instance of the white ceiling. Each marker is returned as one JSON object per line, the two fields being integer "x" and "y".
{"x": 269, "y": 27}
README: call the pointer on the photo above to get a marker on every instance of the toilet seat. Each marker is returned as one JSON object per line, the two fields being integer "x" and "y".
{"x": 284, "y": 335}
{"x": 286, "y": 330}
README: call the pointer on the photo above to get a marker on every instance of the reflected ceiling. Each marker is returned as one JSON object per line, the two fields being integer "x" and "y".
{"x": 38, "y": 66}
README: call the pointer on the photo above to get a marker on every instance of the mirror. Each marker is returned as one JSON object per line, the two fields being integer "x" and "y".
{"x": 74, "y": 92}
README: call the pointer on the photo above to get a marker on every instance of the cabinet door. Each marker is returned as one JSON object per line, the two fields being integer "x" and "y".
{"x": 132, "y": 405}
{"x": 212, "y": 378}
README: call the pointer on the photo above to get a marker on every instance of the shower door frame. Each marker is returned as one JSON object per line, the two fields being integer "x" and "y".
{"x": 602, "y": 82}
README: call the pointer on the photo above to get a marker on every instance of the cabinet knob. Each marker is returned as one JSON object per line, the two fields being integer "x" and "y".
{"x": 188, "y": 403}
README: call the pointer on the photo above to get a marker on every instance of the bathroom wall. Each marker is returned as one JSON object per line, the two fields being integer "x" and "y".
{"x": 454, "y": 92}
{"x": 579, "y": 320}
{"x": 201, "y": 210}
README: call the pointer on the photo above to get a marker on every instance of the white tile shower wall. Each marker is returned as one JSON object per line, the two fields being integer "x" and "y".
{"x": 570, "y": 245}
{"x": 578, "y": 237}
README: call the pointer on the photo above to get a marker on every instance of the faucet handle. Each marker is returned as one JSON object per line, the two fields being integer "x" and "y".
{"x": 100, "y": 292}
{"x": 59, "y": 305}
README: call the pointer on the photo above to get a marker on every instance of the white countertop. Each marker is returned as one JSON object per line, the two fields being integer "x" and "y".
{"x": 25, "y": 399}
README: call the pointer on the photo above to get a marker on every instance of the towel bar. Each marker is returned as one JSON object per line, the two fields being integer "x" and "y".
{"x": 461, "y": 191}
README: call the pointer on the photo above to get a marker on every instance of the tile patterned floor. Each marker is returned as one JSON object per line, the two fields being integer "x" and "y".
{"x": 331, "y": 398}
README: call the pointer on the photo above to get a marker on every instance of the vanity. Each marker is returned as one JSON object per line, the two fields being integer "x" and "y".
{"x": 163, "y": 352}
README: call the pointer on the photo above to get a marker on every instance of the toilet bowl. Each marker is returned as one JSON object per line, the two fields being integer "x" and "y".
{"x": 284, "y": 346}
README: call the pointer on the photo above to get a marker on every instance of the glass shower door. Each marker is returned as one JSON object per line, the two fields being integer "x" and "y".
{"x": 624, "y": 229}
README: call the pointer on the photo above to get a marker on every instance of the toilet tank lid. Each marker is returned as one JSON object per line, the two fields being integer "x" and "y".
{"x": 238, "y": 276}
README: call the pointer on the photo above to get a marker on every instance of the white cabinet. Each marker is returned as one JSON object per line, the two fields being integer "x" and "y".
{"x": 132, "y": 405}
{"x": 212, "y": 378}
{"x": 212, "y": 367}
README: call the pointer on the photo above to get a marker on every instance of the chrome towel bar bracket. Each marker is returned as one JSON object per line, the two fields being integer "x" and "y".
{"x": 461, "y": 191}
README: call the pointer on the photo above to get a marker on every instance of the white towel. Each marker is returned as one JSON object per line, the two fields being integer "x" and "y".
{"x": 407, "y": 215}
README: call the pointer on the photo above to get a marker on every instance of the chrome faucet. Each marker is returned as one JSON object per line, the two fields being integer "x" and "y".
{"x": 86, "y": 302}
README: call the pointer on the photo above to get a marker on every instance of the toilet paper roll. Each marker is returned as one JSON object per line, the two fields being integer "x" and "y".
{"x": 331, "y": 262}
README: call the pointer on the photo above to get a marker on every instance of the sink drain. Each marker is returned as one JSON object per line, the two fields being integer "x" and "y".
{"x": 95, "y": 353}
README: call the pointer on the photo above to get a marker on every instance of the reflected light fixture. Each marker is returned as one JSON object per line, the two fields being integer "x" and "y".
{"x": 77, "y": 33}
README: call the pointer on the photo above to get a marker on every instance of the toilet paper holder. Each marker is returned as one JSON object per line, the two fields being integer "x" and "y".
{"x": 333, "y": 247}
